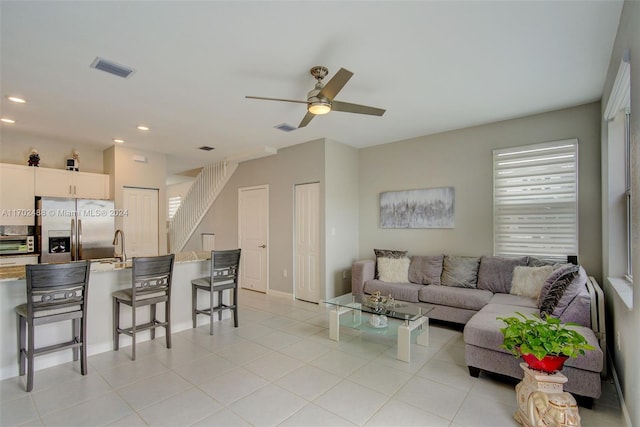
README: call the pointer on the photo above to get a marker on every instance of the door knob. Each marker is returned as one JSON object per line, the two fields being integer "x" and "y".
{"x": 262, "y": 246}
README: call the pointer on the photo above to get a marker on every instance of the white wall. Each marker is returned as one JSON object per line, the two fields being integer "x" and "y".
{"x": 622, "y": 320}
{"x": 15, "y": 148}
{"x": 463, "y": 159}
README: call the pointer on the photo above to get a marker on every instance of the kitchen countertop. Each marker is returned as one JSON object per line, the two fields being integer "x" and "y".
{"x": 17, "y": 272}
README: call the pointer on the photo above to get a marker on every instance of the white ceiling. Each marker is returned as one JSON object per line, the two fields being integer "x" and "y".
{"x": 434, "y": 66}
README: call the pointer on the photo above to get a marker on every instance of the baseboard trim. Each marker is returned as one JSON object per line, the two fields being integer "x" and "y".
{"x": 280, "y": 294}
{"x": 625, "y": 411}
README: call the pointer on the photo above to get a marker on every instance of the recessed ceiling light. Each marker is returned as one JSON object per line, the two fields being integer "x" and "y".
{"x": 142, "y": 127}
{"x": 119, "y": 141}
{"x": 5, "y": 120}
{"x": 17, "y": 100}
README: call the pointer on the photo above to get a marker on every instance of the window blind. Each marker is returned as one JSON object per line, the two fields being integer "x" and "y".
{"x": 535, "y": 195}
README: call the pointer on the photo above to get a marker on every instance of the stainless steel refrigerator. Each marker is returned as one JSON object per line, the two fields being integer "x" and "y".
{"x": 74, "y": 229}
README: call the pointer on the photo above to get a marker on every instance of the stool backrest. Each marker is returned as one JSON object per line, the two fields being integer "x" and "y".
{"x": 57, "y": 288}
{"x": 152, "y": 275}
{"x": 225, "y": 265}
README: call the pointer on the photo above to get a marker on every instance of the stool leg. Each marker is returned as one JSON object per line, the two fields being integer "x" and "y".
{"x": 219, "y": 306}
{"x": 83, "y": 349}
{"x": 133, "y": 330}
{"x": 167, "y": 314}
{"x": 211, "y": 312}
{"x": 22, "y": 343}
{"x": 194, "y": 303}
{"x": 116, "y": 324}
{"x": 30, "y": 347}
{"x": 235, "y": 307}
{"x": 152, "y": 315}
{"x": 75, "y": 328}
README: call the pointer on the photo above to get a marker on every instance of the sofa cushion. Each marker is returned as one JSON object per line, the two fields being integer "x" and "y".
{"x": 394, "y": 270}
{"x": 561, "y": 288}
{"x": 514, "y": 300}
{"x": 399, "y": 291}
{"x": 495, "y": 273}
{"x": 426, "y": 269}
{"x": 471, "y": 299}
{"x": 483, "y": 330}
{"x": 528, "y": 281}
{"x": 460, "y": 271}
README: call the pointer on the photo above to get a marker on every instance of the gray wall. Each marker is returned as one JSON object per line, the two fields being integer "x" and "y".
{"x": 341, "y": 216}
{"x": 298, "y": 164}
{"x": 463, "y": 159}
{"x": 624, "y": 320}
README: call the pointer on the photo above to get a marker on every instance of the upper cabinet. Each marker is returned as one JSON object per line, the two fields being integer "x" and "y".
{"x": 63, "y": 183}
{"x": 16, "y": 194}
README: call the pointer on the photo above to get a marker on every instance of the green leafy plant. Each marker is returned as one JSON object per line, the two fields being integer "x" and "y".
{"x": 541, "y": 337}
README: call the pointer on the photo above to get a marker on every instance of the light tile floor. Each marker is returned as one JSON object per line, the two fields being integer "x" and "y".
{"x": 279, "y": 368}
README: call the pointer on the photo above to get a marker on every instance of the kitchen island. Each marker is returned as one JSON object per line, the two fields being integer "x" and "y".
{"x": 106, "y": 277}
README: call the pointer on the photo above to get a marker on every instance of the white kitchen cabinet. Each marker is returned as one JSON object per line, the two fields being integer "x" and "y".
{"x": 17, "y": 194}
{"x": 18, "y": 260}
{"x": 63, "y": 183}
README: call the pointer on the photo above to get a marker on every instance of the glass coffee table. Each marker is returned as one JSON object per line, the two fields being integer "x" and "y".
{"x": 412, "y": 316}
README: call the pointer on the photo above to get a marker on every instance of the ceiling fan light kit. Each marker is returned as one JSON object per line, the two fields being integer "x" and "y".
{"x": 320, "y": 100}
{"x": 318, "y": 108}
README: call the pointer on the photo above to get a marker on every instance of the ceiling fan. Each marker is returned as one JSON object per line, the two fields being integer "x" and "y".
{"x": 320, "y": 100}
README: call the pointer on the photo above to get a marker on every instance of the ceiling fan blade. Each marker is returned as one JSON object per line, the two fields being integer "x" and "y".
{"x": 276, "y": 99}
{"x": 306, "y": 119}
{"x": 348, "y": 107}
{"x": 335, "y": 85}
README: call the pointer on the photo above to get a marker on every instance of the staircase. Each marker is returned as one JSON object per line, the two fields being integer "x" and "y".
{"x": 195, "y": 205}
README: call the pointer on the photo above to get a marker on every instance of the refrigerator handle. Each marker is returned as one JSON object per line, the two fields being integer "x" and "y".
{"x": 73, "y": 240}
{"x": 80, "y": 239}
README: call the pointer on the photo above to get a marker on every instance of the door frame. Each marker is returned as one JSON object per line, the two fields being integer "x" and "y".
{"x": 252, "y": 188}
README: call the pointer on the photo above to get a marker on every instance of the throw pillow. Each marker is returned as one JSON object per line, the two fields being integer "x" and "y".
{"x": 387, "y": 253}
{"x": 496, "y": 273}
{"x": 460, "y": 271}
{"x": 426, "y": 270}
{"x": 394, "y": 270}
{"x": 567, "y": 283}
{"x": 528, "y": 281}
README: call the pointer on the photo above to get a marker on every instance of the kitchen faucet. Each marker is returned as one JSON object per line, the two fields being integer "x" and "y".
{"x": 122, "y": 255}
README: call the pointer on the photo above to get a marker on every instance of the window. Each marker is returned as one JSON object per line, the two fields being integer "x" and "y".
{"x": 174, "y": 204}
{"x": 535, "y": 200}
{"x": 618, "y": 117}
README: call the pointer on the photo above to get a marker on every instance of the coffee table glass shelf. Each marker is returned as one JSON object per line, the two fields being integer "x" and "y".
{"x": 411, "y": 317}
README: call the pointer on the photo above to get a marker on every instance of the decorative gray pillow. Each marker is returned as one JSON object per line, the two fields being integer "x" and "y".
{"x": 460, "y": 271}
{"x": 496, "y": 273}
{"x": 426, "y": 269}
{"x": 560, "y": 289}
{"x": 387, "y": 253}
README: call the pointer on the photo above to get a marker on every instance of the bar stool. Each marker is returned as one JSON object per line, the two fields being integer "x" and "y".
{"x": 55, "y": 293}
{"x": 225, "y": 266}
{"x": 151, "y": 285}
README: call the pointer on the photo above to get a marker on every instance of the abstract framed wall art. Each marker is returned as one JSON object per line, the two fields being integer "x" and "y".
{"x": 424, "y": 208}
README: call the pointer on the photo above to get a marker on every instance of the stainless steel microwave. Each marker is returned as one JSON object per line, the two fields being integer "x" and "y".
{"x": 15, "y": 240}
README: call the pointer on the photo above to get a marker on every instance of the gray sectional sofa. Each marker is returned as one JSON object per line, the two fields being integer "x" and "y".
{"x": 474, "y": 291}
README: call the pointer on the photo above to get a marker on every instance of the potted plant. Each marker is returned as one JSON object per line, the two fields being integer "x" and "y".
{"x": 544, "y": 344}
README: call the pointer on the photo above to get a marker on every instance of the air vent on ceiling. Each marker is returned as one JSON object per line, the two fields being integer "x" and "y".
{"x": 206, "y": 148}
{"x": 285, "y": 127}
{"x": 112, "y": 67}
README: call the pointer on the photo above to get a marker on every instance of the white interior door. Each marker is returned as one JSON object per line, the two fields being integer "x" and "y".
{"x": 307, "y": 235}
{"x": 140, "y": 225}
{"x": 253, "y": 229}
